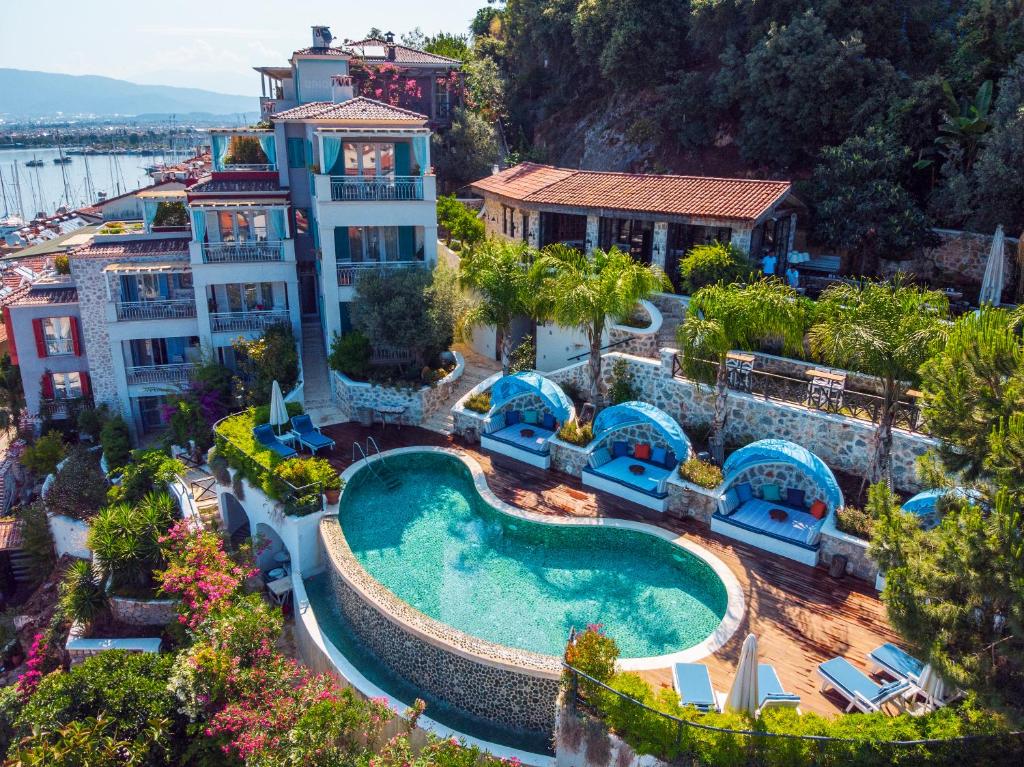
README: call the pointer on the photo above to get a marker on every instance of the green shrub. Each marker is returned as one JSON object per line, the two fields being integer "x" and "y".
{"x": 576, "y": 434}
{"x": 621, "y": 389}
{"x": 701, "y": 473}
{"x": 82, "y": 596}
{"x": 80, "y": 487}
{"x": 350, "y": 354}
{"x": 117, "y": 444}
{"x": 129, "y": 689}
{"x": 44, "y": 454}
{"x": 711, "y": 264}
{"x": 479, "y": 402}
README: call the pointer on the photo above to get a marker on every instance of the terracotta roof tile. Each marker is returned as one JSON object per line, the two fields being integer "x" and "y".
{"x": 693, "y": 196}
{"x": 359, "y": 108}
{"x": 129, "y": 248}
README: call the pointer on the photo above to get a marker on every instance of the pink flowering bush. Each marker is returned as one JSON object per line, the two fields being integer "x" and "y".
{"x": 200, "y": 573}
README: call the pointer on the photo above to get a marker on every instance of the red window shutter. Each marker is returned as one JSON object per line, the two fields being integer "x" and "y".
{"x": 76, "y": 341}
{"x": 47, "y": 385}
{"x": 86, "y": 384}
{"x": 37, "y": 328}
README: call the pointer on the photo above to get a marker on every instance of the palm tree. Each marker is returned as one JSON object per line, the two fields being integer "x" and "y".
{"x": 887, "y": 330}
{"x": 577, "y": 291}
{"x": 721, "y": 318}
{"x": 498, "y": 271}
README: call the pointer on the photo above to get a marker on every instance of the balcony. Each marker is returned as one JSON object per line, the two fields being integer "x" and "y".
{"x": 160, "y": 374}
{"x": 240, "y": 322}
{"x": 376, "y": 189}
{"x": 174, "y": 309}
{"x": 56, "y": 347}
{"x": 347, "y": 272}
{"x": 242, "y": 252}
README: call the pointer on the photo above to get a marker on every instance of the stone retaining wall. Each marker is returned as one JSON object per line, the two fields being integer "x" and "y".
{"x": 143, "y": 612}
{"x": 512, "y": 687}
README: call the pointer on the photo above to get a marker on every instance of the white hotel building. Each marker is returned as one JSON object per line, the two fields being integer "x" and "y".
{"x": 339, "y": 183}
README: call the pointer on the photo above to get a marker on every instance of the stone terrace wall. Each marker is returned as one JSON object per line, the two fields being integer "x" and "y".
{"x": 843, "y": 443}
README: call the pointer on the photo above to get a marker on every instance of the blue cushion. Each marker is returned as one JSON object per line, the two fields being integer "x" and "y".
{"x": 670, "y": 460}
{"x": 549, "y": 422}
{"x": 744, "y": 491}
{"x": 620, "y": 448}
{"x": 732, "y": 500}
{"x": 511, "y": 417}
{"x": 658, "y": 455}
{"x": 795, "y": 497}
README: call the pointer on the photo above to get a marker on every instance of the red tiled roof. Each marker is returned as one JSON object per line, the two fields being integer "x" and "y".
{"x": 11, "y": 538}
{"x": 129, "y": 248}
{"x": 693, "y": 196}
{"x": 359, "y": 108}
{"x": 403, "y": 53}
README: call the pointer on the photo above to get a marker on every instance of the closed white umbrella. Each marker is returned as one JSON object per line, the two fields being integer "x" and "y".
{"x": 744, "y": 696}
{"x": 995, "y": 271}
{"x": 278, "y": 410}
{"x": 932, "y": 686}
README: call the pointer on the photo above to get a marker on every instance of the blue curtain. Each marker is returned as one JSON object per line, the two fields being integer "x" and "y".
{"x": 269, "y": 147}
{"x": 199, "y": 225}
{"x": 220, "y": 147}
{"x": 332, "y": 150}
{"x": 149, "y": 213}
{"x": 277, "y": 223}
{"x": 421, "y": 148}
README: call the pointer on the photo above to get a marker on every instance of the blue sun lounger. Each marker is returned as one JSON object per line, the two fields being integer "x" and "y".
{"x": 693, "y": 684}
{"x": 860, "y": 690}
{"x": 896, "y": 662}
{"x": 265, "y": 436}
{"x": 770, "y": 691}
{"x": 309, "y": 435}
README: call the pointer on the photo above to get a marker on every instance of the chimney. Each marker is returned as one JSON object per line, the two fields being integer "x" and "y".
{"x": 341, "y": 88}
{"x": 322, "y": 37}
{"x": 389, "y": 44}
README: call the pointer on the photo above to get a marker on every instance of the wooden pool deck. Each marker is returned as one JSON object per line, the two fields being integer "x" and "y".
{"x": 800, "y": 615}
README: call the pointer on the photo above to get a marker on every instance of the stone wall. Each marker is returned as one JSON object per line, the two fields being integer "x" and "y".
{"x": 143, "y": 612}
{"x": 504, "y": 685}
{"x": 958, "y": 261}
{"x": 351, "y": 396}
{"x": 843, "y": 443}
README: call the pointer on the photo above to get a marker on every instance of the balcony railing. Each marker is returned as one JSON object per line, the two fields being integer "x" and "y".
{"x": 242, "y": 252}
{"x": 238, "y": 322}
{"x": 176, "y": 309}
{"x": 58, "y": 346}
{"x": 159, "y": 374}
{"x": 347, "y": 271}
{"x": 372, "y": 189}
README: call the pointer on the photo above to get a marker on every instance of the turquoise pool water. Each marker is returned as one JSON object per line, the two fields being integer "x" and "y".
{"x": 437, "y": 545}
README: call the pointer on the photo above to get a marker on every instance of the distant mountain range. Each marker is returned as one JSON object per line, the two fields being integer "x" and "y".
{"x": 27, "y": 94}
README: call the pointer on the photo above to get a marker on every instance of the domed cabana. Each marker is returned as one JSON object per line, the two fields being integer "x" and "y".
{"x": 776, "y": 495}
{"x": 636, "y": 448}
{"x": 527, "y": 410}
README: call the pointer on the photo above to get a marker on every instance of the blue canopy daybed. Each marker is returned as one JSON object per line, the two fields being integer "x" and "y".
{"x": 636, "y": 448}
{"x": 527, "y": 410}
{"x": 776, "y": 495}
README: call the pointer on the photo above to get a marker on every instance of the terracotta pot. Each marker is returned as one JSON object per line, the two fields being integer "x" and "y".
{"x": 333, "y": 496}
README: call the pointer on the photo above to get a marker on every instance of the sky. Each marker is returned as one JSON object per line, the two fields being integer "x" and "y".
{"x": 211, "y": 44}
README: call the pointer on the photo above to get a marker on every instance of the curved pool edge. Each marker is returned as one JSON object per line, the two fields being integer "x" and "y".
{"x": 490, "y": 653}
{"x": 310, "y": 627}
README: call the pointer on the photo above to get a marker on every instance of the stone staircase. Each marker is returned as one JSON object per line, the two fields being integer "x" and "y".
{"x": 319, "y": 403}
{"x": 477, "y": 369}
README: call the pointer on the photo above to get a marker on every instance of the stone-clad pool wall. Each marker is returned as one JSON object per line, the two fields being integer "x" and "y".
{"x": 505, "y": 685}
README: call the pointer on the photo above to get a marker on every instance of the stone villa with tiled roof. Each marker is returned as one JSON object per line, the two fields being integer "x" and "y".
{"x": 657, "y": 218}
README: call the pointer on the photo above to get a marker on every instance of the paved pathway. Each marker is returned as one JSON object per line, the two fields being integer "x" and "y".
{"x": 477, "y": 369}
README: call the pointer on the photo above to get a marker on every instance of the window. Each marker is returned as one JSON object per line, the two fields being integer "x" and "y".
{"x": 369, "y": 159}
{"x": 58, "y": 335}
{"x": 296, "y": 152}
{"x": 67, "y": 385}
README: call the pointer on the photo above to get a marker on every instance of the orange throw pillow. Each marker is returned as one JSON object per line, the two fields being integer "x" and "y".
{"x": 818, "y": 509}
{"x": 642, "y": 451}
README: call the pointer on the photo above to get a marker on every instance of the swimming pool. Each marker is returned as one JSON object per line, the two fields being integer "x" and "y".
{"x": 439, "y": 546}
